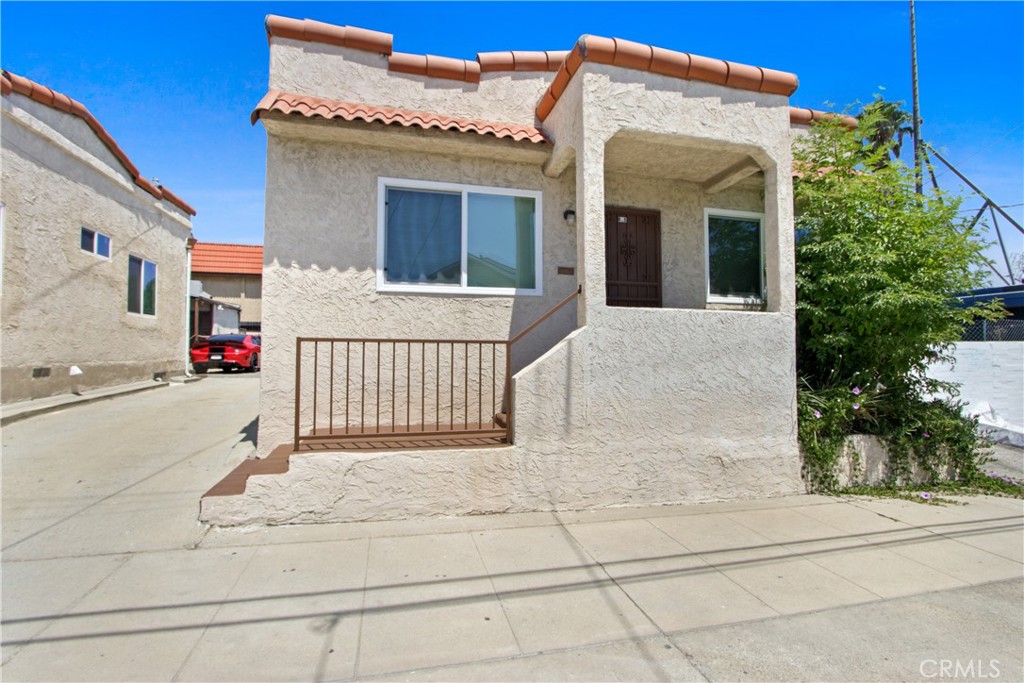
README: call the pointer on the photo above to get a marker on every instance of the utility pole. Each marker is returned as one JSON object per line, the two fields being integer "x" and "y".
{"x": 918, "y": 150}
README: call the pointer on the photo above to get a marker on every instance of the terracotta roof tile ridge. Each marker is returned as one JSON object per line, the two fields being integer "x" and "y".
{"x": 10, "y": 82}
{"x": 433, "y": 66}
{"x": 228, "y": 244}
{"x": 804, "y": 116}
{"x": 521, "y": 60}
{"x": 310, "y": 107}
{"x": 312, "y": 31}
{"x": 684, "y": 65}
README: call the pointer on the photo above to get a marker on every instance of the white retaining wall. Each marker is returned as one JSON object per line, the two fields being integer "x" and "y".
{"x": 991, "y": 375}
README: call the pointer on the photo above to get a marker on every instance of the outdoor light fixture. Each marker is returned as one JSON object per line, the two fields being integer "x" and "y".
{"x": 570, "y": 217}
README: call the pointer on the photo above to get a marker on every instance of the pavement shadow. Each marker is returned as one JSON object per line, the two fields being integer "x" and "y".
{"x": 250, "y": 431}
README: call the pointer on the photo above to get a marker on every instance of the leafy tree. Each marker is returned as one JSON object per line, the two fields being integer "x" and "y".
{"x": 878, "y": 270}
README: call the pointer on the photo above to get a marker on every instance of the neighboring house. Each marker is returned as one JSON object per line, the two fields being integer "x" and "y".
{"x": 95, "y": 272}
{"x": 209, "y": 316}
{"x": 443, "y": 205}
{"x": 232, "y": 273}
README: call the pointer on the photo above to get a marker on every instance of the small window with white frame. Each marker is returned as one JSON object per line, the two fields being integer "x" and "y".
{"x": 452, "y": 238}
{"x": 95, "y": 242}
{"x": 735, "y": 256}
{"x": 141, "y": 286}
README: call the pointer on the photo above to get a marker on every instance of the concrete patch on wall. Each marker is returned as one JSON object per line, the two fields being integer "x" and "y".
{"x": 864, "y": 461}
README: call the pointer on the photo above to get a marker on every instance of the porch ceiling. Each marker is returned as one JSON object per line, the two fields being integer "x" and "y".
{"x": 676, "y": 160}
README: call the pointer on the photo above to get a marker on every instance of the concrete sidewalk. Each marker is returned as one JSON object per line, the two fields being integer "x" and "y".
{"x": 12, "y": 412}
{"x": 805, "y": 588}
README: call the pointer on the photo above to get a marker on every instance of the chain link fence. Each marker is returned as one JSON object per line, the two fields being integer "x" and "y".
{"x": 994, "y": 330}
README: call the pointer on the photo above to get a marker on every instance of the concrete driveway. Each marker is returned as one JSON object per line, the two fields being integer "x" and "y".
{"x": 107, "y": 576}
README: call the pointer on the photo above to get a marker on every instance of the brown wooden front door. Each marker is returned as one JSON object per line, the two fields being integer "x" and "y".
{"x": 633, "y": 257}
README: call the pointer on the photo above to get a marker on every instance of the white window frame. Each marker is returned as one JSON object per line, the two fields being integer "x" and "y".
{"x": 142, "y": 287}
{"x": 463, "y": 287}
{"x": 95, "y": 243}
{"x": 730, "y": 213}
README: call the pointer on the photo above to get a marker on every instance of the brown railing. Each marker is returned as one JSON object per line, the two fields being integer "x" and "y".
{"x": 394, "y": 391}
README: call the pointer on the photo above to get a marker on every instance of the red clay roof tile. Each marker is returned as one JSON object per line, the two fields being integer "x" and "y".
{"x": 312, "y": 107}
{"x": 630, "y": 55}
{"x": 801, "y": 116}
{"x": 435, "y": 67}
{"x": 40, "y": 93}
{"x": 330, "y": 34}
{"x": 521, "y": 60}
{"x": 214, "y": 257}
{"x": 614, "y": 51}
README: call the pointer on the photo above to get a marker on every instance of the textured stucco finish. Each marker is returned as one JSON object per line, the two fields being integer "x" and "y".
{"x": 361, "y": 77}
{"x": 637, "y": 406}
{"x": 320, "y": 256}
{"x": 63, "y": 306}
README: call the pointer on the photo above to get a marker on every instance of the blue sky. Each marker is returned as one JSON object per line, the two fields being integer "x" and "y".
{"x": 174, "y": 83}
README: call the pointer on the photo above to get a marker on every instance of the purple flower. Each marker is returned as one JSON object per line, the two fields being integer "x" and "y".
{"x": 817, "y": 414}
{"x": 856, "y": 391}
{"x": 856, "y": 406}
{"x": 926, "y": 496}
{"x": 926, "y": 435}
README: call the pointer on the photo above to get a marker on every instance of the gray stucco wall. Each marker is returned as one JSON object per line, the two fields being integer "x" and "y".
{"x": 63, "y": 306}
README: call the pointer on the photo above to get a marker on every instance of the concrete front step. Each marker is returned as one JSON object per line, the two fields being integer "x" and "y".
{"x": 344, "y": 486}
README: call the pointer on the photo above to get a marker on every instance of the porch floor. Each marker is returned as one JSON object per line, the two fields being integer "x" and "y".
{"x": 357, "y": 440}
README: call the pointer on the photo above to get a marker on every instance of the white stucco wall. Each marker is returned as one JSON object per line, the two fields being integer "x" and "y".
{"x": 63, "y": 306}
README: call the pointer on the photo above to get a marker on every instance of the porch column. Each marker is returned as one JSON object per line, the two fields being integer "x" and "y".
{"x": 590, "y": 257}
{"x": 779, "y": 260}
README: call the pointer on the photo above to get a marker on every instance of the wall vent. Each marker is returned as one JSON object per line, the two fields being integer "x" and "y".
{"x": 38, "y": 373}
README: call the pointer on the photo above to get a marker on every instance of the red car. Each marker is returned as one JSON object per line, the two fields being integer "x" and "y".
{"x": 226, "y": 351}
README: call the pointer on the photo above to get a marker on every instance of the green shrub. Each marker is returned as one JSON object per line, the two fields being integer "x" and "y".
{"x": 878, "y": 268}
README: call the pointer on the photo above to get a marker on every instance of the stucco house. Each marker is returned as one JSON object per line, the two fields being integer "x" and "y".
{"x": 232, "y": 274}
{"x": 423, "y": 212}
{"x": 94, "y": 255}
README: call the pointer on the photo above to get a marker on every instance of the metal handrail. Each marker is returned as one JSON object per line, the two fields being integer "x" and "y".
{"x": 396, "y": 427}
{"x": 380, "y": 373}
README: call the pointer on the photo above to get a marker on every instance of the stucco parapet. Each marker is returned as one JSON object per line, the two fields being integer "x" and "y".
{"x": 701, "y": 112}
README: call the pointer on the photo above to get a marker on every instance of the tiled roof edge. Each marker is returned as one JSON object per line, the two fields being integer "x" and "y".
{"x": 229, "y": 244}
{"x": 802, "y": 116}
{"x": 642, "y": 57}
{"x": 319, "y": 32}
{"x": 313, "y": 107}
{"x": 40, "y": 93}
{"x": 521, "y": 60}
{"x": 435, "y": 67}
